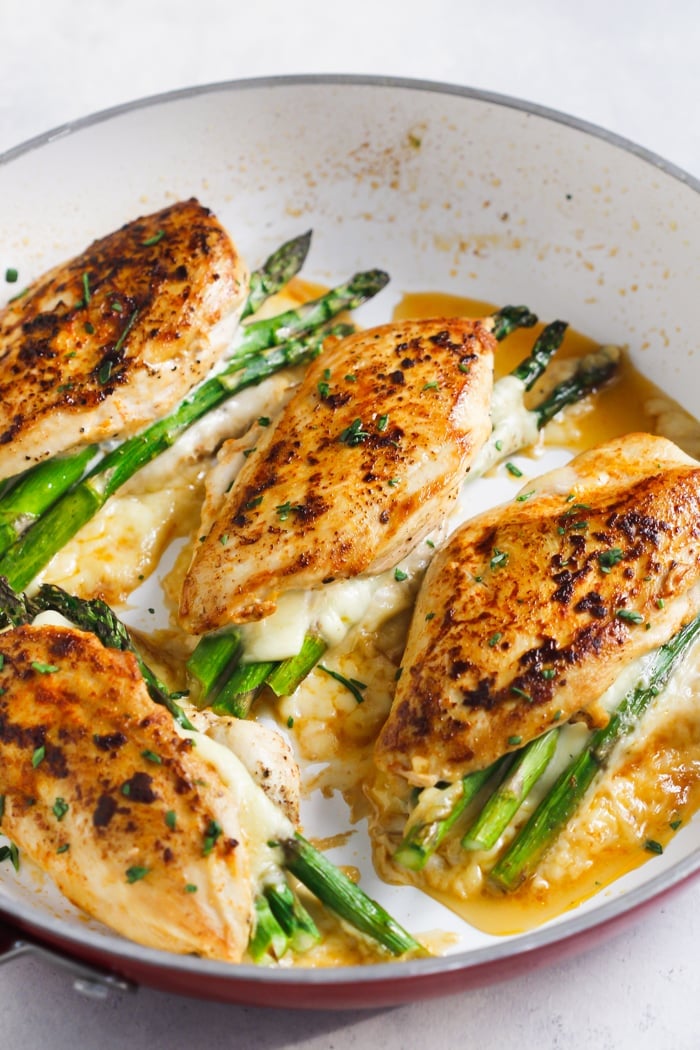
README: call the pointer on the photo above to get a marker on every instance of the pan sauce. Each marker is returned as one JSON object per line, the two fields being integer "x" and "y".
{"x": 654, "y": 783}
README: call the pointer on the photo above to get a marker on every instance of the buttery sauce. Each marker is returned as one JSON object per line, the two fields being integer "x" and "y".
{"x": 334, "y": 734}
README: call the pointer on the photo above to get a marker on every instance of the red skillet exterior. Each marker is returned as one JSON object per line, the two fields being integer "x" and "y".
{"x": 364, "y": 988}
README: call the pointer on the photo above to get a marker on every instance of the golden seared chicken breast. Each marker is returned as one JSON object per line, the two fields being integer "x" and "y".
{"x": 531, "y": 610}
{"x": 131, "y": 821}
{"x": 368, "y": 454}
{"x": 103, "y": 344}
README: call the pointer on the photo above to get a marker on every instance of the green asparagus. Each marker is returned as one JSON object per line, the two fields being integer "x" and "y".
{"x": 501, "y": 807}
{"x": 35, "y": 548}
{"x": 439, "y": 812}
{"x": 277, "y": 270}
{"x": 537, "y": 835}
{"x": 307, "y": 864}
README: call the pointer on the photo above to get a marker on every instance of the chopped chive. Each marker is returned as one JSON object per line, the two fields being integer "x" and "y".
{"x": 524, "y": 496}
{"x": 104, "y": 372}
{"x": 495, "y": 639}
{"x": 60, "y": 808}
{"x": 42, "y": 668}
{"x": 155, "y": 239}
{"x": 211, "y": 835}
{"x": 64, "y": 848}
{"x": 171, "y": 819}
{"x": 38, "y": 755}
{"x": 382, "y": 422}
{"x": 86, "y": 289}
{"x": 263, "y": 421}
{"x": 134, "y": 873}
{"x": 630, "y": 615}
{"x": 151, "y": 756}
{"x": 190, "y": 887}
{"x": 351, "y": 684}
{"x": 521, "y": 692}
{"x": 11, "y": 274}
{"x": 400, "y": 575}
{"x": 513, "y": 741}
{"x": 515, "y": 471}
{"x": 652, "y": 846}
{"x": 498, "y": 558}
{"x": 353, "y": 434}
{"x": 127, "y": 328}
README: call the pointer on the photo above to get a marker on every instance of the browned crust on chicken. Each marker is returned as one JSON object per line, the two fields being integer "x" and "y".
{"x": 367, "y": 457}
{"x": 101, "y": 345}
{"x": 531, "y": 610}
{"x": 102, "y": 792}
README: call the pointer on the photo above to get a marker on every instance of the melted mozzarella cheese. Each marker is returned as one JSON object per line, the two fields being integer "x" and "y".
{"x": 261, "y": 819}
{"x": 514, "y": 426}
{"x": 333, "y": 611}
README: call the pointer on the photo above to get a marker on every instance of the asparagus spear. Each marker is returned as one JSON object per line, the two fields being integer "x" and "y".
{"x": 508, "y": 318}
{"x": 212, "y": 653}
{"x": 37, "y": 489}
{"x": 500, "y": 808}
{"x": 547, "y": 343}
{"x": 520, "y": 859}
{"x": 292, "y": 916}
{"x": 268, "y": 936}
{"x": 35, "y": 548}
{"x": 445, "y": 806}
{"x": 344, "y": 897}
{"x": 272, "y": 331}
{"x": 290, "y": 673}
{"x": 281, "y": 923}
{"x": 277, "y": 270}
{"x": 236, "y": 695}
{"x": 591, "y": 372}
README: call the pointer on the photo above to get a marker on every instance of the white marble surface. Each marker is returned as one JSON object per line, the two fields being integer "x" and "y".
{"x": 630, "y": 67}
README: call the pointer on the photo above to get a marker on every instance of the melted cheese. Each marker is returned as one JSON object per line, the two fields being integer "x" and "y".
{"x": 262, "y": 821}
{"x": 333, "y": 611}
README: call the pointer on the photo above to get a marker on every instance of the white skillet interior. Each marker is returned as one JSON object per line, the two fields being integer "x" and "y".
{"x": 448, "y": 191}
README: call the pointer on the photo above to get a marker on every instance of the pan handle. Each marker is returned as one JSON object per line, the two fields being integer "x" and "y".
{"x": 88, "y": 980}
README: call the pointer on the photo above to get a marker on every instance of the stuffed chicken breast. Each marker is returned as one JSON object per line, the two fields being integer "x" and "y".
{"x": 103, "y": 344}
{"x": 366, "y": 457}
{"x": 532, "y": 609}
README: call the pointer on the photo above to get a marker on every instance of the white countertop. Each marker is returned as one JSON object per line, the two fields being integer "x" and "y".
{"x": 630, "y": 67}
